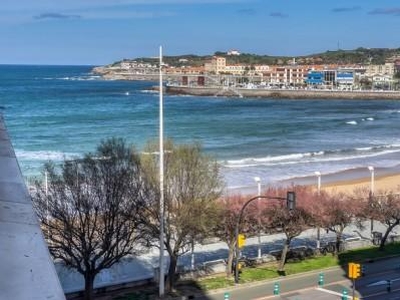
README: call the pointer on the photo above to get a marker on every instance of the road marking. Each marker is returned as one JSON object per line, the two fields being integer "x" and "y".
{"x": 306, "y": 289}
{"x": 332, "y": 292}
{"x": 382, "y": 282}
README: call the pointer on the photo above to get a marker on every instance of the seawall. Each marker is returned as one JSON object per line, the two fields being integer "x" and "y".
{"x": 27, "y": 269}
{"x": 281, "y": 93}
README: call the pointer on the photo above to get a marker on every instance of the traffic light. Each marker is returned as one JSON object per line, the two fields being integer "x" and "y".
{"x": 241, "y": 240}
{"x": 351, "y": 270}
{"x": 291, "y": 200}
{"x": 354, "y": 270}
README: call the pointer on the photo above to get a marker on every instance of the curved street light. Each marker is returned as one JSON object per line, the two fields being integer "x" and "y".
{"x": 290, "y": 203}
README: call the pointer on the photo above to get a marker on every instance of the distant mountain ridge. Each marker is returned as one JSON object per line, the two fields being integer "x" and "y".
{"x": 360, "y": 55}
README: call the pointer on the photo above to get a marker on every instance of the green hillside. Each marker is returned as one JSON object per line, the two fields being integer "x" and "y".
{"x": 356, "y": 56}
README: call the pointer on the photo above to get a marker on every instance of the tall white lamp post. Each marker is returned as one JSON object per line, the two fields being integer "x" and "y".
{"x": 372, "y": 170}
{"x": 161, "y": 266}
{"x": 258, "y": 181}
{"x": 46, "y": 190}
{"x": 371, "y": 192}
{"x": 318, "y": 174}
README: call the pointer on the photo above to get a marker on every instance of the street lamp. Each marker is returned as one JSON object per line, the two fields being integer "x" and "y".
{"x": 161, "y": 261}
{"x": 290, "y": 204}
{"x": 371, "y": 169}
{"x": 46, "y": 190}
{"x": 258, "y": 181}
{"x": 371, "y": 191}
{"x": 318, "y": 174}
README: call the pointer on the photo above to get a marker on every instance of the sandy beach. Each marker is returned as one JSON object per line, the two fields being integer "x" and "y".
{"x": 381, "y": 183}
{"x": 385, "y": 179}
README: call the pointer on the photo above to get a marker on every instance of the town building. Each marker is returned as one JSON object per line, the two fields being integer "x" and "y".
{"x": 376, "y": 70}
{"x": 315, "y": 78}
{"x": 217, "y": 65}
{"x": 233, "y": 52}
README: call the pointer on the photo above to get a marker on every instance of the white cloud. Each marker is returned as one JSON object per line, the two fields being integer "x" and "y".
{"x": 22, "y": 11}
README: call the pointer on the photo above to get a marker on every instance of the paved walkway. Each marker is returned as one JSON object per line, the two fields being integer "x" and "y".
{"x": 142, "y": 268}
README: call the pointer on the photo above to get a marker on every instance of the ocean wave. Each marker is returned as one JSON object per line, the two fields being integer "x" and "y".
{"x": 44, "y": 155}
{"x": 75, "y": 78}
{"x": 313, "y": 157}
{"x": 149, "y": 91}
{"x": 351, "y": 122}
{"x": 368, "y": 119}
{"x": 281, "y": 159}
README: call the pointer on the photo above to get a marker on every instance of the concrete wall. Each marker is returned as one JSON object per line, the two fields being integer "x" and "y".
{"x": 27, "y": 271}
{"x": 281, "y": 93}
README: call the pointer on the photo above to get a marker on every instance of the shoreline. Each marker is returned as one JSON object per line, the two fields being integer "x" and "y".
{"x": 385, "y": 179}
{"x": 281, "y": 93}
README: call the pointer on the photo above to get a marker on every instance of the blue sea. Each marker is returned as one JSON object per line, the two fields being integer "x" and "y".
{"x": 61, "y": 112}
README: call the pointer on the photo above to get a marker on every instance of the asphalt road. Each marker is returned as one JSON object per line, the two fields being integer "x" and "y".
{"x": 305, "y": 286}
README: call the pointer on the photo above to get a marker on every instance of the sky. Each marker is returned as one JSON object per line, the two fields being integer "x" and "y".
{"x": 98, "y": 32}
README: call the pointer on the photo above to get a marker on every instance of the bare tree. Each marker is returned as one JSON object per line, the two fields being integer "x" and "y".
{"x": 192, "y": 186}
{"x": 89, "y": 210}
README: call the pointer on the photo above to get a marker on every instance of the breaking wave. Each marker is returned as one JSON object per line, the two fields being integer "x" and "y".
{"x": 44, "y": 155}
{"x": 313, "y": 157}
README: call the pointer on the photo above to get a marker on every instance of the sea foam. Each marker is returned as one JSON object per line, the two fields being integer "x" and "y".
{"x": 351, "y": 122}
{"x": 313, "y": 157}
{"x": 44, "y": 155}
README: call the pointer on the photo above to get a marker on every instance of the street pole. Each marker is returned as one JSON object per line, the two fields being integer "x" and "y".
{"x": 161, "y": 266}
{"x": 46, "y": 190}
{"x": 372, "y": 170}
{"x": 318, "y": 174}
{"x": 258, "y": 180}
{"x": 371, "y": 192}
{"x": 192, "y": 257}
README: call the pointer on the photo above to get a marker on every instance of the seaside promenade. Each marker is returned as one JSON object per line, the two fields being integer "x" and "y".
{"x": 27, "y": 270}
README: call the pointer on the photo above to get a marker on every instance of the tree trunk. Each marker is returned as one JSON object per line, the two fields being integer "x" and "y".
{"x": 89, "y": 281}
{"x": 283, "y": 256}
{"x": 230, "y": 259}
{"x": 385, "y": 236}
{"x": 173, "y": 261}
{"x": 338, "y": 242}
